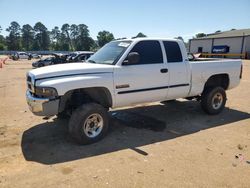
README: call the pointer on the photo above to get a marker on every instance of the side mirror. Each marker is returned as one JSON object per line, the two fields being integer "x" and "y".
{"x": 133, "y": 58}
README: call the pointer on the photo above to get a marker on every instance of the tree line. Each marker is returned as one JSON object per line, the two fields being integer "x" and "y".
{"x": 67, "y": 38}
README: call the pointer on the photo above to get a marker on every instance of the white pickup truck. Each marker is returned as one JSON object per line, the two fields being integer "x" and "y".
{"x": 125, "y": 73}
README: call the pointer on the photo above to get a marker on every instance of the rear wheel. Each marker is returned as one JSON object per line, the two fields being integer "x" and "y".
{"x": 213, "y": 100}
{"x": 88, "y": 123}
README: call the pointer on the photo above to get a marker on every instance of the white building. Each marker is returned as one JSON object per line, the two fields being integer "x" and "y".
{"x": 228, "y": 42}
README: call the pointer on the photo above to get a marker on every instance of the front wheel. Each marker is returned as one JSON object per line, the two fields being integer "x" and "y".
{"x": 213, "y": 100}
{"x": 88, "y": 123}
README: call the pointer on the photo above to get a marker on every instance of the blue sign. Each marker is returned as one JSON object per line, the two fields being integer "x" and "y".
{"x": 220, "y": 49}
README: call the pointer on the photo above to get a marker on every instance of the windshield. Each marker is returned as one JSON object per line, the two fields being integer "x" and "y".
{"x": 109, "y": 53}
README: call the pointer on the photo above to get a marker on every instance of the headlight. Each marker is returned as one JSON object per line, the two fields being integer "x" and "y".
{"x": 30, "y": 82}
{"x": 48, "y": 92}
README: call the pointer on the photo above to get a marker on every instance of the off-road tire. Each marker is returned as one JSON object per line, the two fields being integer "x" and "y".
{"x": 78, "y": 118}
{"x": 207, "y": 102}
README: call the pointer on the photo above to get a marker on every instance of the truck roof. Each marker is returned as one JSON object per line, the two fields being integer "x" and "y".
{"x": 148, "y": 38}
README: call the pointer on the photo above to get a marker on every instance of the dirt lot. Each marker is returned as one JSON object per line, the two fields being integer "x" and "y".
{"x": 173, "y": 145}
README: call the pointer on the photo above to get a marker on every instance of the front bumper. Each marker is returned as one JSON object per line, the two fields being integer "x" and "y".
{"x": 42, "y": 106}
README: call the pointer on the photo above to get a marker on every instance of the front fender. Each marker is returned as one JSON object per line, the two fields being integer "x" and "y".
{"x": 67, "y": 83}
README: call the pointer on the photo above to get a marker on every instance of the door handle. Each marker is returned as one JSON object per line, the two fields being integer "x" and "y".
{"x": 164, "y": 70}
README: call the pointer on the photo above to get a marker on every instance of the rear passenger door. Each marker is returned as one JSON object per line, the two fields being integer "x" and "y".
{"x": 178, "y": 71}
{"x": 146, "y": 81}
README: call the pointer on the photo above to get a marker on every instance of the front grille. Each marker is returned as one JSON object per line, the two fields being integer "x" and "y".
{"x": 29, "y": 86}
{"x": 28, "y": 78}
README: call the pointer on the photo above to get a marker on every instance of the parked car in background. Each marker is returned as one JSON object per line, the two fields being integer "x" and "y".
{"x": 43, "y": 62}
{"x": 55, "y": 59}
{"x": 21, "y": 55}
{"x": 79, "y": 56}
{"x": 36, "y": 56}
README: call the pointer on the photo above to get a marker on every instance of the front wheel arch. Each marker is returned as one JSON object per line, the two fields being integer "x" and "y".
{"x": 75, "y": 98}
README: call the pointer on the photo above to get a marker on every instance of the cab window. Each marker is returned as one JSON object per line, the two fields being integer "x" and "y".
{"x": 149, "y": 51}
{"x": 173, "y": 51}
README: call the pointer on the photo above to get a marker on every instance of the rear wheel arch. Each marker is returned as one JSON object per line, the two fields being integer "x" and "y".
{"x": 218, "y": 80}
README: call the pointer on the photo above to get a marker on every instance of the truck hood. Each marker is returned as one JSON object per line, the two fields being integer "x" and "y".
{"x": 70, "y": 69}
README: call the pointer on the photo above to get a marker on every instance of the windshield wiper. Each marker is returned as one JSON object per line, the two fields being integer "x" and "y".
{"x": 91, "y": 61}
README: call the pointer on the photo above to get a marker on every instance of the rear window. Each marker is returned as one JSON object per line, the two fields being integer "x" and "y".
{"x": 173, "y": 51}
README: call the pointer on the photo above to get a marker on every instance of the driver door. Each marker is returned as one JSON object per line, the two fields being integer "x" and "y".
{"x": 145, "y": 81}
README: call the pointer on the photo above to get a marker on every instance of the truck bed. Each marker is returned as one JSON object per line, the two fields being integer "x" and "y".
{"x": 204, "y": 69}
{"x": 210, "y": 59}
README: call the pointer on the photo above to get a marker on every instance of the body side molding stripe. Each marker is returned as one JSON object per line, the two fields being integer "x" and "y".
{"x": 153, "y": 88}
{"x": 68, "y": 75}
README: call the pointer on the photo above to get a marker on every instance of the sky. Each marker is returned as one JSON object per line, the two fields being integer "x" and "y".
{"x": 155, "y": 18}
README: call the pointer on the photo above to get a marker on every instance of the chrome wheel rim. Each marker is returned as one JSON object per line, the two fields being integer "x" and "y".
{"x": 217, "y": 101}
{"x": 93, "y": 125}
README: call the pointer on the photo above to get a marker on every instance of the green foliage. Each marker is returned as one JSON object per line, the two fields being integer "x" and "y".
{"x": 199, "y": 35}
{"x": 65, "y": 31}
{"x": 13, "y": 40}
{"x": 71, "y": 37}
{"x": 68, "y": 37}
{"x": 139, "y": 35}
{"x": 55, "y": 36}
{"x": 2, "y": 46}
{"x": 2, "y": 41}
{"x": 27, "y": 37}
{"x": 74, "y": 32}
{"x": 42, "y": 39}
{"x": 84, "y": 41}
{"x": 104, "y": 37}
{"x": 180, "y": 38}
